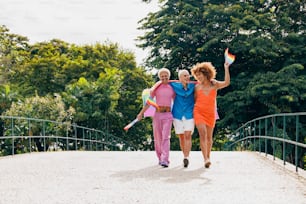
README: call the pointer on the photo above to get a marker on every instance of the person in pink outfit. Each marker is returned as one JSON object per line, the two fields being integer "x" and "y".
{"x": 163, "y": 118}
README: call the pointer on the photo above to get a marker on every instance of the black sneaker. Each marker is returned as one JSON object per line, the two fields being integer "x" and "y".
{"x": 164, "y": 164}
{"x": 185, "y": 162}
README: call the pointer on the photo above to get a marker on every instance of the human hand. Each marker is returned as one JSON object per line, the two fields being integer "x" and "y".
{"x": 139, "y": 116}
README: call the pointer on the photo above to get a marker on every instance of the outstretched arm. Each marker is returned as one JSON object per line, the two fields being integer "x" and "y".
{"x": 155, "y": 86}
{"x": 173, "y": 80}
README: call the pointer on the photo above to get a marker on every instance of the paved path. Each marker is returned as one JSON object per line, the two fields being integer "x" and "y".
{"x": 135, "y": 177}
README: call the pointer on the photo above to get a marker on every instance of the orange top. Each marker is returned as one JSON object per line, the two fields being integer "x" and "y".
{"x": 205, "y": 107}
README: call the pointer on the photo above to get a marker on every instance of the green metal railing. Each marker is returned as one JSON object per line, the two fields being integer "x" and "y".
{"x": 281, "y": 135}
{"x": 21, "y": 135}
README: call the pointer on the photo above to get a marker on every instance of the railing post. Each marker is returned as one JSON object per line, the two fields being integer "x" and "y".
{"x": 106, "y": 140}
{"x": 266, "y": 133}
{"x": 76, "y": 140}
{"x": 12, "y": 134}
{"x": 103, "y": 141}
{"x": 274, "y": 135}
{"x": 96, "y": 142}
{"x": 67, "y": 141}
{"x": 90, "y": 141}
{"x": 254, "y": 133}
{"x": 44, "y": 135}
{"x": 259, "y": 146}
{"x": 30, "y": 143}
{"x": 56, "y": 138}
{"x": 284, "y": 144}
{"x": 83, "y": 134}
{"x": 296, "y": 140}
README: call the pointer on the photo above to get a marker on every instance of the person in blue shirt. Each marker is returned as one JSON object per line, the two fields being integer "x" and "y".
{"x": 182, "y": 111}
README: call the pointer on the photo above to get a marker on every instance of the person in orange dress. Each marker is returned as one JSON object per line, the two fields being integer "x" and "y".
{"x": 205, "y": 103}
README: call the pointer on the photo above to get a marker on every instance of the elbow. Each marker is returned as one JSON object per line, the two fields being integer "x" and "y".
{"x": 228, "y": 83}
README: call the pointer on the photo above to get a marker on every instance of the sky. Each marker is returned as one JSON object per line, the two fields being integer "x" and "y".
{"x": 78, "y": 21}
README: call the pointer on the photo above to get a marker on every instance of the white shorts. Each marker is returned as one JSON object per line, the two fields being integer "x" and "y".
{"x": 180, "y": 126}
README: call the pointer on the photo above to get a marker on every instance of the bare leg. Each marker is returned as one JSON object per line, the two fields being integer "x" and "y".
{"x": 203, "y": 135}
{"x": 209, "y": 139}
{"x": 188, "y": 144}
{"x": 182, "y": 142}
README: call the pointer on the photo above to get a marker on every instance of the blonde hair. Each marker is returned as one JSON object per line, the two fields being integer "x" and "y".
{"x": 206, "y": 68}
{"x": 164, "y": 70}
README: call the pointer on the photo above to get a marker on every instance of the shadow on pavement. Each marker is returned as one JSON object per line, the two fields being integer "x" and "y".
{"x": 170, "y": 175}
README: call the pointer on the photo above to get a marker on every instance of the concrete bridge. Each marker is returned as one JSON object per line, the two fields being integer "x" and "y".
{"x": 134, "y": 177}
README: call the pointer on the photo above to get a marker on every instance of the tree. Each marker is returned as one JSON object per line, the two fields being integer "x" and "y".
{"x": 101, "y": 82}
{"x": 266, "y": 37}
{"x": 13, "y": 51}
{"x": 173, "y": 36}
{"x": 94, "y": 100}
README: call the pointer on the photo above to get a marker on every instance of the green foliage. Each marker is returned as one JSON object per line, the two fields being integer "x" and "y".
{"x": 7, "y": 96}
{"x": 100, "y": 81}
{"x": 92, "y": 100}
{"x": 103, "y": 84}
{"x": 48, "y": 108}
{"x": 267, "y": 37}
{"x": 173, "y": 35}
{"x": 13, "y": 51}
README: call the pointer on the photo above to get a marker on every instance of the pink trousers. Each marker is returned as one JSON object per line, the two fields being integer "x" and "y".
{"x": 162, "y": 123}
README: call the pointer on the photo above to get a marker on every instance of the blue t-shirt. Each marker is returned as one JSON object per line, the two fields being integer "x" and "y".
{"x": 184, "y": 100}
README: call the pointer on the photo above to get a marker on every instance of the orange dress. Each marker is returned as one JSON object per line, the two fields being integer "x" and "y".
{"x": 205, "y": 107}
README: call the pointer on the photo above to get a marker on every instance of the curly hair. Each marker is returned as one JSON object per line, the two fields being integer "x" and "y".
{"x": 208, "y": 70}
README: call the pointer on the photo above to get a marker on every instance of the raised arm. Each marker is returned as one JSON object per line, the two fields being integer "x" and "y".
{"x": 227, "y": 79}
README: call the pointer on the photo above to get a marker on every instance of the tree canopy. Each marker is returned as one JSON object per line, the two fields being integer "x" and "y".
{"x": 267, "y": 37}
{"x": 103, "y": 83}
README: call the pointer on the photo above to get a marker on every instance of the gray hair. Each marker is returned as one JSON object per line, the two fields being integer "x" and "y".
{"x": 182, "y": 71}
{"x": 163, "y": 70}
